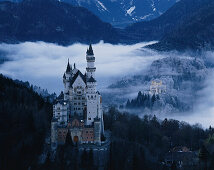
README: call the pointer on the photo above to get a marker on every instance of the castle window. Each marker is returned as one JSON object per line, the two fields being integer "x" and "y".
{"x": 75, "y": 103}
{"x": 86, "y": 131}
{"x": 89, "y": 118}
{"x": 78, "y": 108}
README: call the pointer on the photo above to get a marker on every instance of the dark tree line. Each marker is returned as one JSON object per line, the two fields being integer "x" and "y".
{"x": 24, "y": 122}
{"x": 142, "y": 101}
{"x": 141, "y": 143}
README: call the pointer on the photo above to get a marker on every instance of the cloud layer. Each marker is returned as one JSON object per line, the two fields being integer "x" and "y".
{"x": 43, "y": 64}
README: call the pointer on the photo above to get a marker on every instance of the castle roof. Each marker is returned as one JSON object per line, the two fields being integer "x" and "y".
{"x": 78, "y": 73}
{"x": 61, "y": 96}
{"x": 68, "y": 69}
{"x": 90, "y": 50}
{"x": 91, "y": 80}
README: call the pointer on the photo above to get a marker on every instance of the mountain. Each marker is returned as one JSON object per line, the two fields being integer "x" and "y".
{"x": 196, "y": 33}
{"x": 24, "y": 124}
{"x": 187, "y": 24}
{"x": 52, "y": 21}
{"x": 180, "y": 79}
{"x": 122, "y": 12}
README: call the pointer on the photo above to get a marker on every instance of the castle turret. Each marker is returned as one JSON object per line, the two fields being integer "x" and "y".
{"x": 90, "y": 63}
{"x": 66, "y": 80}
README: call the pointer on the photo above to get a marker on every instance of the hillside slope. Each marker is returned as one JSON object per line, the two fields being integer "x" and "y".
{"x": 196, "y": 33}
{"x": 171, "y": 20}
{"x": 52, "y": 21}
{"x": 25, "y": 120}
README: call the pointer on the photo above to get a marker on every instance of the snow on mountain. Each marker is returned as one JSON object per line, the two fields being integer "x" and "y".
{"x": 130, "y": 10}
{"x": 122, "y": 12}
{"x": 182, "y": 77}
{"x": 101, "y": 4}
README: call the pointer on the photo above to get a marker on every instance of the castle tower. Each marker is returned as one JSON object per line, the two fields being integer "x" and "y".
{"x": 66, "y": 80}
{"x": 90, "y": 63}
{"x": 91, "y": 95}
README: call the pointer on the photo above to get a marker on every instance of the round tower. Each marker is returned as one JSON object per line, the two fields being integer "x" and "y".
{"x": 90, "y": 63}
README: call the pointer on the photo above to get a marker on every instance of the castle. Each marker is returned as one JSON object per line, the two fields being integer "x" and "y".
{"x": 157, "y": 87}
{"x": 78, "y": 110}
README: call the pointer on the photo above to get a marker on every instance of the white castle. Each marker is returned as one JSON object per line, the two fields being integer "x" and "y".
{"x": 78, "y": 109}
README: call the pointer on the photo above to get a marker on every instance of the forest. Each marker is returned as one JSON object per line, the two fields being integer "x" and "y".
{"x": 136, "y": 143}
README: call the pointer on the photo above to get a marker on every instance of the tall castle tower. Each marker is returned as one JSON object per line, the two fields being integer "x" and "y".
{"x": 93, "y": 98}
{"x": 90, "y": 63}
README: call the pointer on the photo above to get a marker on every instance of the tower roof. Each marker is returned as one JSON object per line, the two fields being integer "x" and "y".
{"x": 68, "y": 69}
{"x": 90, "y": 50}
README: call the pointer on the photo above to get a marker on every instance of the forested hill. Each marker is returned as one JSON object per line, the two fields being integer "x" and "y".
{"x": 195, "y": 33}
{"x": 24, "y": 122}
{"x": 167, "y": 22}
{"x": 52, "y": 21}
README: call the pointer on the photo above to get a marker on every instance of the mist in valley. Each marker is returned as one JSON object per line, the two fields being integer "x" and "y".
{"x": 43, "y": 64}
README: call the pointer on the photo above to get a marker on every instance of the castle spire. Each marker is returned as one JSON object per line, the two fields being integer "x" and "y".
{"x": 90, "y": 50}
{"x": 74, "y": 66}
{"x": 68, "y": 69}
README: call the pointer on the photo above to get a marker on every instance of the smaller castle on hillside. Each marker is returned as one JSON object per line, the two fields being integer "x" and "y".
{"x": 157, "y": 87}
{"x": 78, "y": 109}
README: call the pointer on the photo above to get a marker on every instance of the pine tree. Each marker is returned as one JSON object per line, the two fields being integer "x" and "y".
{"x": 68, "y": 139}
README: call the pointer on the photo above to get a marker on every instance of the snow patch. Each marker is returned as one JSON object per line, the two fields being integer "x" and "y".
{"x": 103, "y": 7}
{"x": 130, "y": 10}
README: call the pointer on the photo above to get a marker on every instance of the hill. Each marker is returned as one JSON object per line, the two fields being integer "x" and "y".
{"x": 122, "y": 12}
{"x": 52, "y": 21}
{"x": 24, "y": 123}
{"x": 166, "y": 23}
{"x": 194, "y": 34}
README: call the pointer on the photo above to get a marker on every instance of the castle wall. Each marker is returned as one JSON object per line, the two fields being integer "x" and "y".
{"x": 88, "y": 135}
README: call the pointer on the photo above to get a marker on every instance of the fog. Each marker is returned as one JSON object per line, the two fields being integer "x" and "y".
{"x": 43, "y": 64}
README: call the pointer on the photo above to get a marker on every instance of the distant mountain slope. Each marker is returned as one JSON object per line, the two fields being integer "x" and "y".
{"x": 196, "y": 33}
{"x": 166, "y": 23}
{"x": 122, "y": 12}
{"x": 52, "y": 21}
{"x": 181, "y": 78}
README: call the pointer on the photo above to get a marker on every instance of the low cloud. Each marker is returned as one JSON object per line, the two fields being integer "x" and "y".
{"x": 43, "y": 64}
